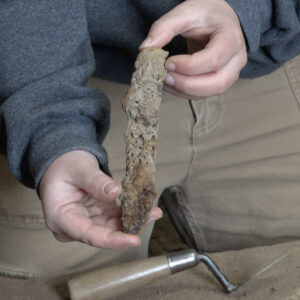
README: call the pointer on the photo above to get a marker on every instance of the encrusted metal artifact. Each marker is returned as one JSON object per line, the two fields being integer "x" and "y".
{"x": 141, "y": 105}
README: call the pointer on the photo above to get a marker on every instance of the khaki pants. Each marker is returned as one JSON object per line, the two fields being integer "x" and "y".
{"x": 236, "y": 156}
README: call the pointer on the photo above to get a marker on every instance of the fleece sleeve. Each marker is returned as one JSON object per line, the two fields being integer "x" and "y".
{"x": 45, "y": 109}
{"x": 272, "y": 32}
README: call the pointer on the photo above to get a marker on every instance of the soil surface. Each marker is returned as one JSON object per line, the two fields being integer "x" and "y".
{"x": 280, "y": 281}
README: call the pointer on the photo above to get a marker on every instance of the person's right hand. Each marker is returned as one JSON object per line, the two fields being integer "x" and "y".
{"x": 216, "y": 43}
{"x": 79, "y": 203}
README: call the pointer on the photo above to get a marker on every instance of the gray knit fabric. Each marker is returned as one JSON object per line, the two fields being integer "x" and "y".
{"x": 272, "y": 31}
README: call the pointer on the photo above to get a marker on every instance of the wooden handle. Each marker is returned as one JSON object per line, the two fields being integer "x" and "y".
{"x": 113, "y": 281}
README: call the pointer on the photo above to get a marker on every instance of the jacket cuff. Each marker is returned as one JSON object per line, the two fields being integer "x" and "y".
{"x": 45, "y": 148}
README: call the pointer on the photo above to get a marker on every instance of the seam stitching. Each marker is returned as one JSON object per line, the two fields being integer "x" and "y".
{"x": 191, "y": 220}
{"x": 292, "y": 79}
{"x": 16, "y": 274}
{"x": 193, "y": 133}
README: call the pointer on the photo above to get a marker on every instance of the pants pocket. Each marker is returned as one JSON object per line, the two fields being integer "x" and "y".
{"x": 207, "y": 113}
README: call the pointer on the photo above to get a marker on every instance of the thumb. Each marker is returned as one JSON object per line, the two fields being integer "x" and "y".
{"x": 98, "y": 184}
{"x": 167, "y": 27}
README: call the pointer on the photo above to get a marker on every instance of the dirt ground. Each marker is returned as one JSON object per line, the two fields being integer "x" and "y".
{"x": 281, "y": 281}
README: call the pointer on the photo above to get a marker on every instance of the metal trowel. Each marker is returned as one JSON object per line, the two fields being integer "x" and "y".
{"x": 117, "y": 280}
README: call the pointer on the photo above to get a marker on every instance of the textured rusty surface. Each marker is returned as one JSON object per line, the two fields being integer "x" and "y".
{"x": 141, "y": 105}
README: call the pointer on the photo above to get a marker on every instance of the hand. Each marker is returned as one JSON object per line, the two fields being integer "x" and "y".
{"x": 79, "y": 203}
{"x": 215, "y": 41}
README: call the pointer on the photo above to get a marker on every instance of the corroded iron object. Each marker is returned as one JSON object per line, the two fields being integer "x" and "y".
{"x": 141, "y": 105}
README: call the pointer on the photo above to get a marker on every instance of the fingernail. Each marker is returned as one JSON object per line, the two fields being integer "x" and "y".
{"x": 170, "y": 80}
{"x": 110, "y": 188}
{"x": 170, "y": 67}
{"x": 146, "y": 42}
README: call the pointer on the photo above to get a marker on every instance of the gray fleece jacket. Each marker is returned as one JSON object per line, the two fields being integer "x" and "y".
{"x": 48, "y": 50}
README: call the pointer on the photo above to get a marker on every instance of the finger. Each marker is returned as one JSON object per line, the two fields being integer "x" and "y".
{"x": 91, "y": 202}
{"x": 83, "y": 229}
{"x": 155, "y": 214}
{"x": 217, "y": 53}
{"x": 98, "y": 184}
{"x": 211, "y": 84}
{"x": 114, "y": 223}
{"x": 173, "y": 23}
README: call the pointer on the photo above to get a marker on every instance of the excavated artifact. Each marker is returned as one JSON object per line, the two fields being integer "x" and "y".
{"x": 141, "y": 105}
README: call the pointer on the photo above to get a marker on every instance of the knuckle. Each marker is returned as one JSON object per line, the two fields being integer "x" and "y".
{"x": 189, "y": 65}
{"x": 185, "y": 86}
{"x": 158, "y": 25}
{"x": 100, "y": 241}
{"x": 87, "y": 238}
{"x": 235, "y": 35}
{"x": 221, "y": 86}
{"x": 191, "y": 90}
{"x": 239, "y": 37}
{"x": 97, "y": 180}
{"x": 104, "y": 243}
{"x": 240, "y": 41}
{"x": 244, "y": 58}
{"x": 214, "y": 63}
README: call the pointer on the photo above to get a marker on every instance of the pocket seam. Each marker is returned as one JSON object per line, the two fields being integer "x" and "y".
{"x": 292, "y": 78}
{"x": 27, "y": 221}
{"x": 207, "y": 127}
{"x": 14, "y": 274}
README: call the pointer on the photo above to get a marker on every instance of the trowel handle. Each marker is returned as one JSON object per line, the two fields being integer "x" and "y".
{"x": 113, "y": 281}
{"x": 116, "y": 280}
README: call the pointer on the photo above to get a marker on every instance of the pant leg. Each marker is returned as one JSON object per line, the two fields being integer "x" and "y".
{"x": 28, "y": 249}
{"x": 244, "y": 185}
